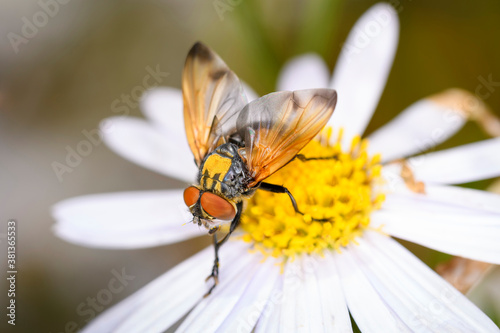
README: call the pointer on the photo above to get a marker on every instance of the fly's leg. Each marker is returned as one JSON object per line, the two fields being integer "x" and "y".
{"x": 215, "y": 269}
{"x": 304, "y": 158}
{"x": 281, "y": 189}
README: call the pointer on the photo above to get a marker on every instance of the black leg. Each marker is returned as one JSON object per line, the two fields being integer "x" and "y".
{"x": 303, "y": 158}
{"x": 281, "y": 189}
{"x": 215, "y": 269}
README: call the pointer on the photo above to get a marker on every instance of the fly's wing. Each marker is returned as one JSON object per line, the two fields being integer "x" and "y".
{"x": 277, "y": 126}
{"x": 213, "y": 97}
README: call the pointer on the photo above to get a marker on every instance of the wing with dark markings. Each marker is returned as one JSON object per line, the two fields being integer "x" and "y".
{"x": 277, "y": 126}
{"x": 213, "y": 96}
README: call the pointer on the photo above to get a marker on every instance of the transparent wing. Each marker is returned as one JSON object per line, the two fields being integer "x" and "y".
{"x": 213, "y": 96}
{"x": 277, "y": 126}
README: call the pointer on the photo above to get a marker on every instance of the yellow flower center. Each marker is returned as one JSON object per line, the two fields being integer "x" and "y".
{"x": 334, "y": 191}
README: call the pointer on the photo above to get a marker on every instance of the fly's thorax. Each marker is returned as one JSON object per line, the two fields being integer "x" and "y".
{"x": 223, "y": 171}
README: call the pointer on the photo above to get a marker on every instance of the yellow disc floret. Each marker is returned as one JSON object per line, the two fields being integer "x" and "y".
{"x": 333, "y": 190}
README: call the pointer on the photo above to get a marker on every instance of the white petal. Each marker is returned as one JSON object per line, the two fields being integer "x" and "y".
{"x": 452, "y": 198}
{"x": 309, "y": 299}
{"x": 409, "y": 202}
{"x": 467, "y": 163}
{"x": 333, "y": 305}
{"x": 165, "y": 301}
{"x": 186, "y": 276}
{"x": 302, "y": 310}
{"x": 291, "y": 283}
{"x": 468, "y": 234}
{"x": 421, "y": 298}
{"x": 304, "y": 72}
{"x": 146, "y": 145}
{"x": 420, "y": 127}
{"x": 163, "y": 106}
{"x": 312, "y": 287}
{"x": 363, "y": 67}
{"x": 369, "y": 310}
{"x": 125, "y": 220}
{"x": 269, "y": 321}
{"x": 257, "y": 294}
{"x": 465, "y": 197}
{"x": 211, "y": 312}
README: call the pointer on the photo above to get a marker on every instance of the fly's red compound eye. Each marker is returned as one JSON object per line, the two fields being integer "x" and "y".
{"x": 191, "y": 195}
{"x": 217, "y": 207}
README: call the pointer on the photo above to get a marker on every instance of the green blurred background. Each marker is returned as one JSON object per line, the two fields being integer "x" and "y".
{"x": 64, "y": 79}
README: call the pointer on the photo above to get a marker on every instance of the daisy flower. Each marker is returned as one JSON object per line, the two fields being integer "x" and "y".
{"x": 288, "y": 272}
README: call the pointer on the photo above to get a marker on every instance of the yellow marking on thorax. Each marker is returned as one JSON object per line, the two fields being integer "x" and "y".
{"x": 208, "y": 184}
{"x": 215, "y": 164}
